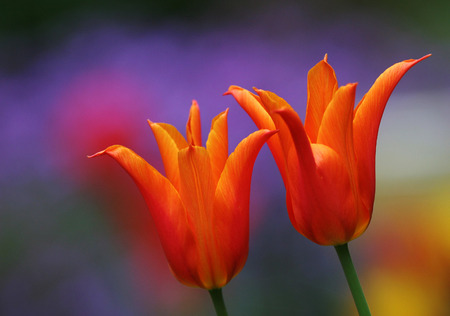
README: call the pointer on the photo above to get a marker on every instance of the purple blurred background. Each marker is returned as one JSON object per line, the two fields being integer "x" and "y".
{"x": 75, "y": 235}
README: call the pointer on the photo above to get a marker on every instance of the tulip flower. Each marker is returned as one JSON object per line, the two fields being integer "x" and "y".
{"x": 327, "y": 164}
{"x": 201, "y": 207}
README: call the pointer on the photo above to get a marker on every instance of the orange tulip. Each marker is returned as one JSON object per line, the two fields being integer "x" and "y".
{"x": 328, "y": 164}
{"x": 201, "y": 207}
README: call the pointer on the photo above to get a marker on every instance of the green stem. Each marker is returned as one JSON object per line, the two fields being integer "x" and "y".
{"x": 352, "y": 280}
{"x": 219, "y": 304}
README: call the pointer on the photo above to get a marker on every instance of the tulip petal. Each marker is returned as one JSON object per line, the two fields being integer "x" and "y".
{"x": 301, "y": 173}
{"x": 217, "y": 144}
{"x": 273, "y": 103}
{"x": 231, "y": 205}
{"x": 169, "y": 141}
{"x": 320, "y": 207}
{"x": 193, "y": 126}
{"x": 322, "y": 85}
{"x": 300, "y": 140}
{"x": 366, "y": 122}
{"x": 166, "y": 209}
{"x": 197, "y": 193}
{"x": 333, "y": 215}
{"x": 336, "y": 130}
{"x": 318, "y": 186}
{"x": 252, "y": 104}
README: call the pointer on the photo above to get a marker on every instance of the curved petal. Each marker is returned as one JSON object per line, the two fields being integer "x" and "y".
{"x": 323, "y": 206}
{"x": 253, "y": 106}
{"x": 169, "y": 141}
{"x": 197, "y": 192}
{"x": 193, "y": 126}
{"x": 217, "y": 144}
{"x": 336, "y": 130}
{"x": 335, "y": 218}
{"x": 301, "y": 174}
{"x": 321, "y": 202}
{"x": 166, "y": 209}
{"x": 273, "y": 103}
{"x": 322, "y": 85}
{"x": 231, "y": 204}
{"x": 300, "y": 141}
{"x": 366, "y": 122}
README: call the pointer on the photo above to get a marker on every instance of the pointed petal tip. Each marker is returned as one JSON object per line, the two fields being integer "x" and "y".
{"x": 415, "y": 61}
{"x": 424, "y": 57}
{"x": 152, "y": 124}
{"x": 270, "y": 132}
{"x": 105, "y": 151}
{"x": 266, "y": 133}
{"x": 325, "y": 58}
{"x": 273, "y": 132}
{"x": 96, "y": 154}
{"x": 352, "y": 85}
{"x": 194, "y": 106}
{"x": 224, "y": 112}
{"x": 231, "y": 88}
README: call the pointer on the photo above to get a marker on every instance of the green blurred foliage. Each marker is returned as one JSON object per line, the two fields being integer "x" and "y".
{"x": 29, "y": 15}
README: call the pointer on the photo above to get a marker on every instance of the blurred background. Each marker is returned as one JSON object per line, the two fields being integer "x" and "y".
{"x": 77, "y": 76}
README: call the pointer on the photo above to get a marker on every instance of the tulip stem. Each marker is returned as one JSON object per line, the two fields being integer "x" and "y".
{"x": 219, "y": 304}
{"x": 352, "y": 279}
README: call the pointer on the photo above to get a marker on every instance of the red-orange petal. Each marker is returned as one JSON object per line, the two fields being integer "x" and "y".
{"x": 169, "y": 141}
{"x": 252, "y": 104}
{"x": 283, "y": 139}
{"x": 321, "y": 86}
{"x": 231, "y": 205}
{"x": 167, "y": 211}
{"x": 300, "y": 140}
{"x": 271, "y": 101}
{"x": 319, "y": 206}
{"x": 197, "y": 193}
{"x": 366, "y": 122}
{"x": 336, "y": 130}
{"x": 193, "y": 126}
{"x": 301, "y": 172}
{"x": 217, "y": 144}
{"x": 333, "y": 212}
{"x": 318, "y": 188}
